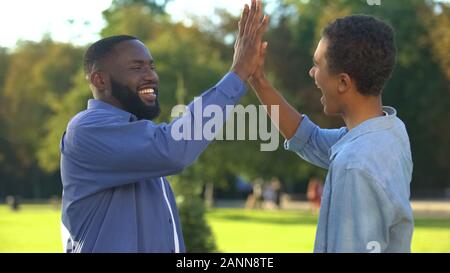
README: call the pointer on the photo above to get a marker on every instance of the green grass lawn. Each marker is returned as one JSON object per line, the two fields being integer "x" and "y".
{"x": 36, "y": 228}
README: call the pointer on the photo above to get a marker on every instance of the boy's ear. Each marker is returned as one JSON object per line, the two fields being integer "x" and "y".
{"x": 345, "y": 82}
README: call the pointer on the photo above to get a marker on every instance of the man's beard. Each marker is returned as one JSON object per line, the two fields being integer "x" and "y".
{"x": 132, "y": 103}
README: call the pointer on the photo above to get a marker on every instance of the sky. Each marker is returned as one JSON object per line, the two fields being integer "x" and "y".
{"x": 31, "y": 19}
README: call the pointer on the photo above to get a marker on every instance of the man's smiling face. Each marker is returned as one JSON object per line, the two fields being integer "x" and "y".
{"x": 133, "y": 79}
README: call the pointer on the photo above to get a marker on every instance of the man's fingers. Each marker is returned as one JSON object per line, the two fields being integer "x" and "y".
{"x": 259, "y": 11}
{"x": 243, "y": 20}
{"x": 250, "y": 19}
{"x": 253, "y": 6}
{"x": 257, "y": 16}
{"x": 256, "y": 20}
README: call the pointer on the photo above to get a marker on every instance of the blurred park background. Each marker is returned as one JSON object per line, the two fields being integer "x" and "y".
{"x": 42, "y": 86}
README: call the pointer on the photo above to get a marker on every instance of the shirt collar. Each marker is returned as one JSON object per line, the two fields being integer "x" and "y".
{"x": 370, "y": 125}
{"x": 98, "y": 104}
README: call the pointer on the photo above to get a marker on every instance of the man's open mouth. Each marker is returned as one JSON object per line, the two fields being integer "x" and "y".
{"x": 147, "y": 95}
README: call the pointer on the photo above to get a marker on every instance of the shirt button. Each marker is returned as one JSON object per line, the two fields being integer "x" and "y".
{"x": 173, "y": 250}
{"x": 170, "y": 221}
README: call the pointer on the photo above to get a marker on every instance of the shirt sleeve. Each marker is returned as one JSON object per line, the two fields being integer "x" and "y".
{"x": 123, "y": 152}
{"x": 361, "y": 214}
{"x": 313, "y": 143}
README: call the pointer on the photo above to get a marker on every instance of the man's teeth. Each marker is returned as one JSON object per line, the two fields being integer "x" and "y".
{"x": 147, "y": 91}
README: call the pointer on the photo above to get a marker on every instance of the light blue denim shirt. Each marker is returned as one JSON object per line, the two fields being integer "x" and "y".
{"x": 365, "y": 203}
{"x": 113, "y": 167}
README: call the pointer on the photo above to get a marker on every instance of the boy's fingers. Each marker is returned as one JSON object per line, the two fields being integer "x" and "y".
{"x": 263, "y": 26}
{"x": 264, "y": 49}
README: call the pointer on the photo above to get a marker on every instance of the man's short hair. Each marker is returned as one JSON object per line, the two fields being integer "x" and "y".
{"x": 363, "y": 47}
{"x": 101, "y": 49}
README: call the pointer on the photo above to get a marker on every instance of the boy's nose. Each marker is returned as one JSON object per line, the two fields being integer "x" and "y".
{"x": 311, "y": 72}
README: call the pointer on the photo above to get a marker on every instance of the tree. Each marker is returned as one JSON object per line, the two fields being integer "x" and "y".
{"x": 141, "y": 18}
{"x": 32, "y": 79}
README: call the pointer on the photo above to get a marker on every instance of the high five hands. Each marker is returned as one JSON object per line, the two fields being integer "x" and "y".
{"x": 249, "y": 50}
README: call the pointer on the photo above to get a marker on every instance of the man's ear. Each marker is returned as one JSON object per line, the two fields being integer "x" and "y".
{"x": 344, "y": 82}
{"x": 99, "y": 80}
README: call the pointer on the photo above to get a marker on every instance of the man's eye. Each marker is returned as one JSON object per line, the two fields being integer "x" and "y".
{"x": 136, "y": 67}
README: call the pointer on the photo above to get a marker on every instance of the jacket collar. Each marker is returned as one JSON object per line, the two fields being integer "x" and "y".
{"x": 368, "y": 126}
{"x": 98, "y": 104}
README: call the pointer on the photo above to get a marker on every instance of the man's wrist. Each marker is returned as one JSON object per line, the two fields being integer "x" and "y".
{"x": 240, "y": 73}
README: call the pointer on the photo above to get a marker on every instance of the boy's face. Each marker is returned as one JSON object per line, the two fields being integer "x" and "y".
{"x": 327, "y": 82}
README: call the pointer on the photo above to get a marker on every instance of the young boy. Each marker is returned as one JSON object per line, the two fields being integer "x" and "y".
{"x": 365, "y": 204}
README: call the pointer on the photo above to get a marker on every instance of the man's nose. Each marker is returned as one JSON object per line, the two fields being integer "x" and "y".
{"x": 150, "y": 75}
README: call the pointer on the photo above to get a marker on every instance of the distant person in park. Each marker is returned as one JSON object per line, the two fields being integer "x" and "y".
{"x": 255, "y": 199}
{"x": 365, "y": 204}
{"x": 275, "y": 184}
{"x": 272, "y": 194}
{"x": 13, "y": 202}
{"x": 243, "y": 187}
{"x": 314, "y": 193}
{"x": 114, "y": 158}
{"x": 268, "y": 196}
